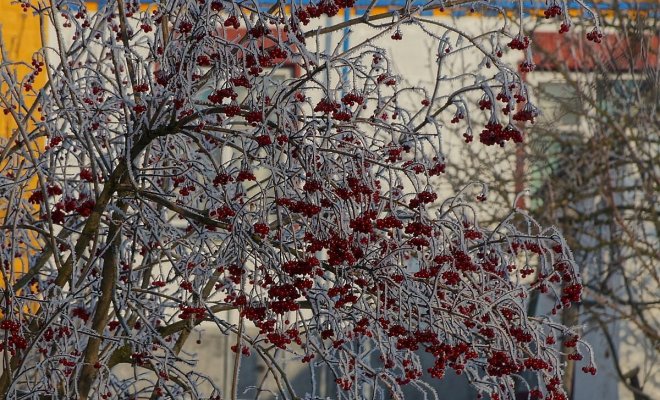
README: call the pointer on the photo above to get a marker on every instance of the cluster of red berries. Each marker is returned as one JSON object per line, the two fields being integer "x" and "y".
{"x": 495, "y": 133}
{"x": 241, "y": 81}
{"x": 344, "y": 115}
{"x": 389, "y": 222}
{"x": 352, "y": 98}
{"x": 245, "y": 175}
{"x": 536, "y": 364}
{"x": 327, "y": 106}
{"x": 572, "y": 341}
{"x": 423, "y": 198}
{"x": 62, "y": 332}
{"x": 589, "y": 369}
{"x": 187, "y": 286}
{"x": 409, "y": 375}
{"x": 571, "y": 293}
{"x": 186, "y": 190}
{"x": 451, "y": 278}
{"x": 344, "y": 383}
{"x": 185, "y": 27}
{"x": 192, "y": 313}
{"x": 258, "y": 31}
{"x": 286, "y": 291}
{"x": 437, "y": 169}
{"x": 363, "y": 223}
{"x": 528, "y": 113}
{"x": 6, "y": 111}
{"x": 527, "y": 66}
{"x": 223, "y": 212}
{"x": 51, "y": 190}
{"x": 86, "y": 175}
{"x": 37, "y": 68}
{"x": 555, "y": 390}
{"x": 81, "y": 312}
{"x": 327, "y": 7}
{"x": 359, "y": 189}
{"x": 25, "y": 5}
{"x": 244, "y": 350}
{"x": 519, "y": 43}
{"x": 386, "y": 79}
{"x": 146, "y": 27}
{"x": 140, "y": 357}
{"x": 418, "y": 228}
{"x": 15, "y": 341}
{"x": 222, "y": 179}
{"x": 552, "y": 11}
{"x": 232, "y": 21}
{"x": 312, "y": 186}
{"x": 261, "y": 229}
{"x": 254, "y": 117}
{"x": 219, "y": 95}
{"x": 300, "y": 207}
{"x": 485, "y": 104}
{"x": 262, "y": 140}
{"x": 457, "y": 117}
{"x": 521, "y": 335}
{"x": 596, "y": 35}
{"x": 500, "y": 364}
{"x": 235, "y": 273}
{"x": 307, "y": 266}
{"x": 394, "y": 154}
{"x": 83, "y": 205}
{"x": 463, "y": 261}
{"x": 254, "y": 312}
{"x": 345, "y": 299}
{"x": 528, "y": 245}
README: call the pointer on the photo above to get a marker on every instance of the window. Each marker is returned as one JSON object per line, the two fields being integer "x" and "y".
{"x": 271, "y": 78}
{"x": 273, "y": 82}
{"x": 618, "y": 96}
{"x": 559, "y": 103}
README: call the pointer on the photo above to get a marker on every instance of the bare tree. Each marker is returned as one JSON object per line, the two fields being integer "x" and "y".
{"x": 591, "y": 169}
{"x": 164, "y": 177}
{"x": 598, "y": 182}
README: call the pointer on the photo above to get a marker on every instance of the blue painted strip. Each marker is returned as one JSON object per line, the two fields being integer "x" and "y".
{"x": 528, "y": 4}
{"x": 346, "y": 46}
